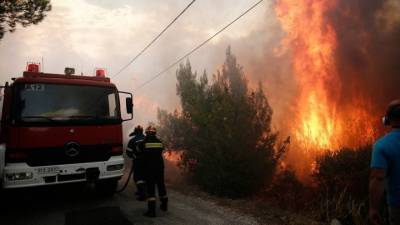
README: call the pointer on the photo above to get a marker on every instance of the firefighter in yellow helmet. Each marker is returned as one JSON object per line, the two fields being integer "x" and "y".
{"x": 154, "y": 171}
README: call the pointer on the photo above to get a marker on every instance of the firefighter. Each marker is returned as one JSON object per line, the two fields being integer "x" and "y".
{"x": 135, "y": 152}
{"x": 154, "y": 172}
{"x": 385, "y": 169}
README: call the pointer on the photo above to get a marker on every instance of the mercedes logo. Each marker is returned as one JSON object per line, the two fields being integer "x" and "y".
{"x": 72, "y": 149}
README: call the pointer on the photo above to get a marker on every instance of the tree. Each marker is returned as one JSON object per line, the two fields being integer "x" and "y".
{"x": 23, "y": 12}
{"x": 224, "y": 129}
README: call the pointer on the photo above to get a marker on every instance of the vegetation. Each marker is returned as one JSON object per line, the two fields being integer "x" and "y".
{"x": 338, "y": 190}
{"x": 346, "y": 169}
{"x": 22, "y": 12}
{"x": 229, "y": 149}
{"x": 288, "y": 192}
{"x": 342, "y": 181}
{"x": 224, "y": 129}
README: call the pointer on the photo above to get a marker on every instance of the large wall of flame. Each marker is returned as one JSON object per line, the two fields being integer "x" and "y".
{"x": 361, "y": 39}
{"x": 345, "y": 61}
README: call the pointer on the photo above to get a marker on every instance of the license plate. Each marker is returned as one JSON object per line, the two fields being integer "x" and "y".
{"x": 48, "y": 170}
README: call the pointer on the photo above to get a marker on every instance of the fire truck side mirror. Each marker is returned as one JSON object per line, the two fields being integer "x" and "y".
{"x": 129, "y": 105}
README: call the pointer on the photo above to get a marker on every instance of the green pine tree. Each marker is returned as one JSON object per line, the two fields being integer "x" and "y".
{"x": 224, "y": 129}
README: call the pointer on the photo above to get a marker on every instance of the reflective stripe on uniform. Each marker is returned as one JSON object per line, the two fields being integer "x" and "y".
{"x": 140, "y": 182}
{"x": 129, "y": 149}
{"x": 153, "y": 145}
{"x": 151, "y": 199}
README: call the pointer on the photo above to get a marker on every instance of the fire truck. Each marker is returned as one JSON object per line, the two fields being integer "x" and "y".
{"x": 62, "y": 128}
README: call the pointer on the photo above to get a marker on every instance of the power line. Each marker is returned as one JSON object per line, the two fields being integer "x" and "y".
{"x": 155, "y": 39}
{"x": 196, "y": 48}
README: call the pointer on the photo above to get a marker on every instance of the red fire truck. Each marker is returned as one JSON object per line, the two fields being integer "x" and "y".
{"x": 62, "y": 128}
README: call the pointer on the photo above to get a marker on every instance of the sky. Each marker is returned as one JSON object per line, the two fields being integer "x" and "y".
{"x": 86, "y": 34}
{"x": 89, "y": 34}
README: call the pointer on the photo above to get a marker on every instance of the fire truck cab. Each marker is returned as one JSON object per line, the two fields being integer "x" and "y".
{"x": 61, "y": 128}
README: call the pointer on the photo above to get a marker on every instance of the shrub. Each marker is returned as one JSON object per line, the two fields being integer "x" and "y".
{"x": 341, "y": 178}
{"x": 288, "y": 192}
{"x": 346, "y": 169}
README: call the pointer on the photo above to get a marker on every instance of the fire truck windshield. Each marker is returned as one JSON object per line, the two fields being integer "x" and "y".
{"x": 40, "y": 102}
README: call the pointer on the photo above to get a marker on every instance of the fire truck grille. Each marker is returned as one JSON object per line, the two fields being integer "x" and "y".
{"x": 58, "y": 156}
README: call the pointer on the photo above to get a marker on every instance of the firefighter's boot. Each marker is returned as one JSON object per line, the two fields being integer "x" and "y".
{"x": 151, "y": 209}
{"x": 164, "y": 204}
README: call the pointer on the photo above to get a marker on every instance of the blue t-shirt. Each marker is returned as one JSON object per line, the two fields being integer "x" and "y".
{"x": 386, "y": 155}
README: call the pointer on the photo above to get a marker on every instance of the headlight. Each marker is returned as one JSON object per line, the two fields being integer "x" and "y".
{"x": 19, "y": 176}
{"x": 115, "y": 167}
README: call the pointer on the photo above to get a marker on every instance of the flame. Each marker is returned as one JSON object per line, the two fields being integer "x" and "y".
{"x": 321, "y": 122}
{"x": 173, "y": 156}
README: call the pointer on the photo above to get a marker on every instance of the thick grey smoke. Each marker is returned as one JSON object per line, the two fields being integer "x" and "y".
{"x": 368, "y": 50}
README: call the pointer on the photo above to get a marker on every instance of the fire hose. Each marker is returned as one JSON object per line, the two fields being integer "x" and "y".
{"x": 126, "y": 182}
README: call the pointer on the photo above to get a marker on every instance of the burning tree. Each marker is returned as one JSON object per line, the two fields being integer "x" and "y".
{"x": 224, "y": 129}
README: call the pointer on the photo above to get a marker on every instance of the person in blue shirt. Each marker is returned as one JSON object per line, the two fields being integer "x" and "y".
{"x": 385, "y": 169}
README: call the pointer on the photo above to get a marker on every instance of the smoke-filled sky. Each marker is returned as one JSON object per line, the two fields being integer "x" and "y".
{"x": 86, "y": 34}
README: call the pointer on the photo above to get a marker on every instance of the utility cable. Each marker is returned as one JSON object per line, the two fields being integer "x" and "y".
{"x": 197, "y": 47}
{"x": 154, "y": 40}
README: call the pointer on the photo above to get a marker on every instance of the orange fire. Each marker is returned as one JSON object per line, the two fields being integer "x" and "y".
{"x": 173, "y": 156}
{"x": 321, "y": 123}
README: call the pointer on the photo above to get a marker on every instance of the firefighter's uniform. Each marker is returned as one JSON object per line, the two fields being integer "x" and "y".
{"x": 135, "y": 151}
{"x": 154, "y": 173}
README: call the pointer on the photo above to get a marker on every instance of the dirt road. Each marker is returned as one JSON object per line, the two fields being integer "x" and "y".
{"x": 79, "y": 205}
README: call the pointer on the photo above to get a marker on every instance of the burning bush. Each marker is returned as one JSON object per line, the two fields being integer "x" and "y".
{"x": 225, "y": 130}
{"x": 342, "y": 180}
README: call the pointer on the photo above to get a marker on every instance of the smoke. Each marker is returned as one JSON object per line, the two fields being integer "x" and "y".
{"x": 259, "y": 54}
{"x": 365, "y": 57}
{"x": 364, "y": 65}
{"x": 344, "y": 56}
{"x": 88, "y": 34}
{"x": 368, "y": 51}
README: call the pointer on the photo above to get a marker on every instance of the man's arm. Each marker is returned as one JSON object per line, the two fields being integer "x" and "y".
{"x": 376, "y": 191}
{"x": 130, "y": 149}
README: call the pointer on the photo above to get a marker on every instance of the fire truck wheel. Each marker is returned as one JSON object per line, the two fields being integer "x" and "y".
{"x": 106, "y": 187}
